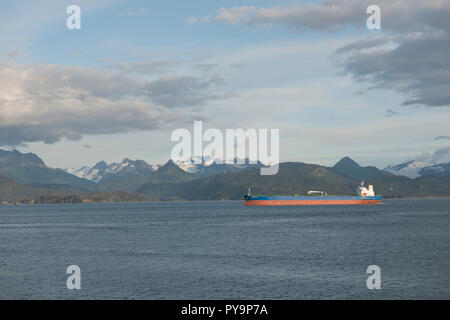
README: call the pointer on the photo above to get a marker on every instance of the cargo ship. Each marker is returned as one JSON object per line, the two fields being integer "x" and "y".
{"x": 364, "y": 196}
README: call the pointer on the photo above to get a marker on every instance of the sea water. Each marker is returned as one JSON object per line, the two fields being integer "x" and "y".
{"x": 223, "y": 250}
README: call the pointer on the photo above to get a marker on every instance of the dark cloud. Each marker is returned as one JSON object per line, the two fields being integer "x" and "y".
{"x": 51, "y": 102}
{"x": 142, "y": 67}
{"x": 442, "y": 138}
{"x": 183, "y": 91}
{"x": 418, "y": 67}
{"x": 360, "y": 92}
{"x": 390, "y": 113}
{"x": 413, "y": 56}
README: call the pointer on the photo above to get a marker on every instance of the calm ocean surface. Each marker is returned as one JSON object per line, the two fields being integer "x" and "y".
{"x": 222, "y": 250}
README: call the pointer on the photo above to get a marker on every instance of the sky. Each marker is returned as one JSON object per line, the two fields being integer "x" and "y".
{"x": 137, "y": 70}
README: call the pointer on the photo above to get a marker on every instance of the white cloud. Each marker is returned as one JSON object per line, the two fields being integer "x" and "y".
{"x": 441, "y": 155}
{"x": 400, "y": 15}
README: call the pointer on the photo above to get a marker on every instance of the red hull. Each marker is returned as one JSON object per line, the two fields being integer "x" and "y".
{"x": 307, "y": 202}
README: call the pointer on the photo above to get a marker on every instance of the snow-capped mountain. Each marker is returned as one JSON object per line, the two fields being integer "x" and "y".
{"x": 415, "y": 168}
{"x": 426, "y": 163}
{"x": 441, "y": 169}
{"x": 410, "y": 169}
{"x": 102, "y": 171}
{"x": 190, "y": 167}
{"x": 209, "y": 166}
{"x": 83, "y": 172}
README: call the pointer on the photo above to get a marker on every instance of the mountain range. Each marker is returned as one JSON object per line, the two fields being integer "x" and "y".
{"x": 102, "y": 172}
{"x": 24, "y": 177}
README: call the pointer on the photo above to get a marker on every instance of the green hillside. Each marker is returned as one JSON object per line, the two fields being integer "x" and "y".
{"x": 11, "y": 191}
{"x": 353, "y": 170}
{"x": 28, "y": 168}
{"x": 292, "y": 178}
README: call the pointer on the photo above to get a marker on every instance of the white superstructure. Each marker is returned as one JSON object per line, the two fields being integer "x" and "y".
{"x": 363, "y": 191}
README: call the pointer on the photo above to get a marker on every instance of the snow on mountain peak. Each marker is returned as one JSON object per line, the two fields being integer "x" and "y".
{"x": 423, "y": 164}
{"x": 102, "y": 169}
{"x": 410, "y": 169}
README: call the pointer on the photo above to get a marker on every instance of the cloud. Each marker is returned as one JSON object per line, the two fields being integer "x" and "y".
{"x": 16, "y": 53}
{"x": 330, "y": 15}
{"x": 51, "y": 102}
{"x": 143, "y": 67}
{"x": 13, "y": 53}
{"x": 400, "y": 15}
{"x": 442, "y": 138}
{"x": 184, "y": 91}
{"x": 238, "y": 65}
{"x": 418, "y": 67}
{"x": 413, "y": 56}
{"x": 360, "y": 92}
{"x": 205, "y": 67}
{"x": 441, "y": 155}
{"x": 364, "y": 44}
{"x": 141, "y": 12}
{"x": 390, "y": 113}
